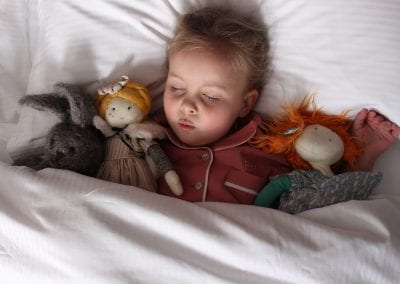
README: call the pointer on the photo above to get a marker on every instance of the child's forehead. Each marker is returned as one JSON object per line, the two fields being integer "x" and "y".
{"x": 203, "y": 62}
{"x": 207, "y": 56}
{"x": 204, "y": 48}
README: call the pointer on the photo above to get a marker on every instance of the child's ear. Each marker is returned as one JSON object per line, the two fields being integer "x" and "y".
{"x": 249, "y": 100}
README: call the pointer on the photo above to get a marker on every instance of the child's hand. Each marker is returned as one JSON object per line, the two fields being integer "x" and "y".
{"x": 376, "y": 134}
{"x": 146, "y": 130}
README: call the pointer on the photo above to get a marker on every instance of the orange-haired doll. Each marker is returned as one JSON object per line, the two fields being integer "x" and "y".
{"x": 313, "y": 141}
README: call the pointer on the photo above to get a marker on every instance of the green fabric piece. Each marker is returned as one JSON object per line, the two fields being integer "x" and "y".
{"x": 272, "y": 191}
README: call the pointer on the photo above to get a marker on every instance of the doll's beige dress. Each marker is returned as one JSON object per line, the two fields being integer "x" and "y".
{"x": 124, "y": 163}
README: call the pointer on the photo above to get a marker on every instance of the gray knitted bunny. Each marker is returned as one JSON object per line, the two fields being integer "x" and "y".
{"x": 72, "y": 144}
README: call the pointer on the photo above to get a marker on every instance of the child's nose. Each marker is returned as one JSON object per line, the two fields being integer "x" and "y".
{"x": 188, "y": 107}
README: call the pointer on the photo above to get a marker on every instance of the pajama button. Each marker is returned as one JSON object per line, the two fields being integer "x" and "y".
{"x": 198, "y": 185}
{"x": 205, "y": 157}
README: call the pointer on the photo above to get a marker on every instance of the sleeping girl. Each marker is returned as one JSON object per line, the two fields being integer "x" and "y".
{"x": 217, "y": 64}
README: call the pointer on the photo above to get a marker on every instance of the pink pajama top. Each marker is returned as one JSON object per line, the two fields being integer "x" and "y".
{"x": 227, "y": 171}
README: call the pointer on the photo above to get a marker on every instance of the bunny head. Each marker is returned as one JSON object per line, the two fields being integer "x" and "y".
{"x": 73, "y": 144}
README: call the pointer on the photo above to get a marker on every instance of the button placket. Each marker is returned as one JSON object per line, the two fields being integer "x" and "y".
{"x": 207, "y": 158}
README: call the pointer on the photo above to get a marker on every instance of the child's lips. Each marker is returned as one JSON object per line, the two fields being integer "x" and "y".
{"x": 185, "y": 124}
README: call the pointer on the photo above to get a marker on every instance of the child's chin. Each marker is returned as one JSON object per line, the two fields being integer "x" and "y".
{"x": 190, "y": 140}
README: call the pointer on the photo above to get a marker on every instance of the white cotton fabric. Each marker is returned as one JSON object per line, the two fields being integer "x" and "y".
{"x": 347, "y": 52}
{"x": 61, "y": 227}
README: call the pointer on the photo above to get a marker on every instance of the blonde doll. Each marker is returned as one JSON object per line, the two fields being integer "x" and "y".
{"x": 122, "y": 108}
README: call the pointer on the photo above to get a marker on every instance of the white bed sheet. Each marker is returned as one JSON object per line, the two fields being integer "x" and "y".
{"x": 60, "y": 227}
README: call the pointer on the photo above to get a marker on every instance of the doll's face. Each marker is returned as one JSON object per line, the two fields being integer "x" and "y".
{"x": 319, "y": 144}
{"x": 121, "y": 112}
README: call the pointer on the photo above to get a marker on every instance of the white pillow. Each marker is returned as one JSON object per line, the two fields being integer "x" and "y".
{"x": 14, "y": 58}
{"x": 14, "y": 67}
{"x": 346, "y": 51}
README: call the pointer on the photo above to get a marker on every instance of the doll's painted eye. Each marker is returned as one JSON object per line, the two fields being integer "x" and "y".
{"x": 129, "y": 107}
{"x": 113, "y": 109}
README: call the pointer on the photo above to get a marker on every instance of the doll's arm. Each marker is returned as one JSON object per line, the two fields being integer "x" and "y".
{"x": 145, "y": 130}
{"x": 103, "y": 126}
{"x": 272, "y": 191}
{"x": 163, "y": 164}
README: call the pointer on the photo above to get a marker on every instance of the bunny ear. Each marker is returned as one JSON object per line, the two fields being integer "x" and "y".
{"x": 81, "y": 105}
{"x": 47, "y": 102}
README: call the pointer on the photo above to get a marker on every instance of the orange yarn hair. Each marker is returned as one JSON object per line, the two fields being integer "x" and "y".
{"x": 297, "y": 118}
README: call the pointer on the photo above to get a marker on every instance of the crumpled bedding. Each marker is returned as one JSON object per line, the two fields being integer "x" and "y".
{"x": 61, "y": 227}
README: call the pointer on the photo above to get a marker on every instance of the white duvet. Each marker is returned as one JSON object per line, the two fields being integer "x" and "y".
{"x": 57, "y": 226}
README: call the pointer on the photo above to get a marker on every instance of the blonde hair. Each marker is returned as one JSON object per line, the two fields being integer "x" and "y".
{"x": 241, "y": 38}
{"x": 135, "y": 93}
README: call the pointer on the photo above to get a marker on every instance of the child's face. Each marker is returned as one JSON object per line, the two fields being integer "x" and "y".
{"x": 204, "y": 96}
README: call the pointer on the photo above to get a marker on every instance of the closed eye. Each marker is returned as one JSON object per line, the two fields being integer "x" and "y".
{"x": 177, "y": 91}
{"x": 210, "y": 99}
